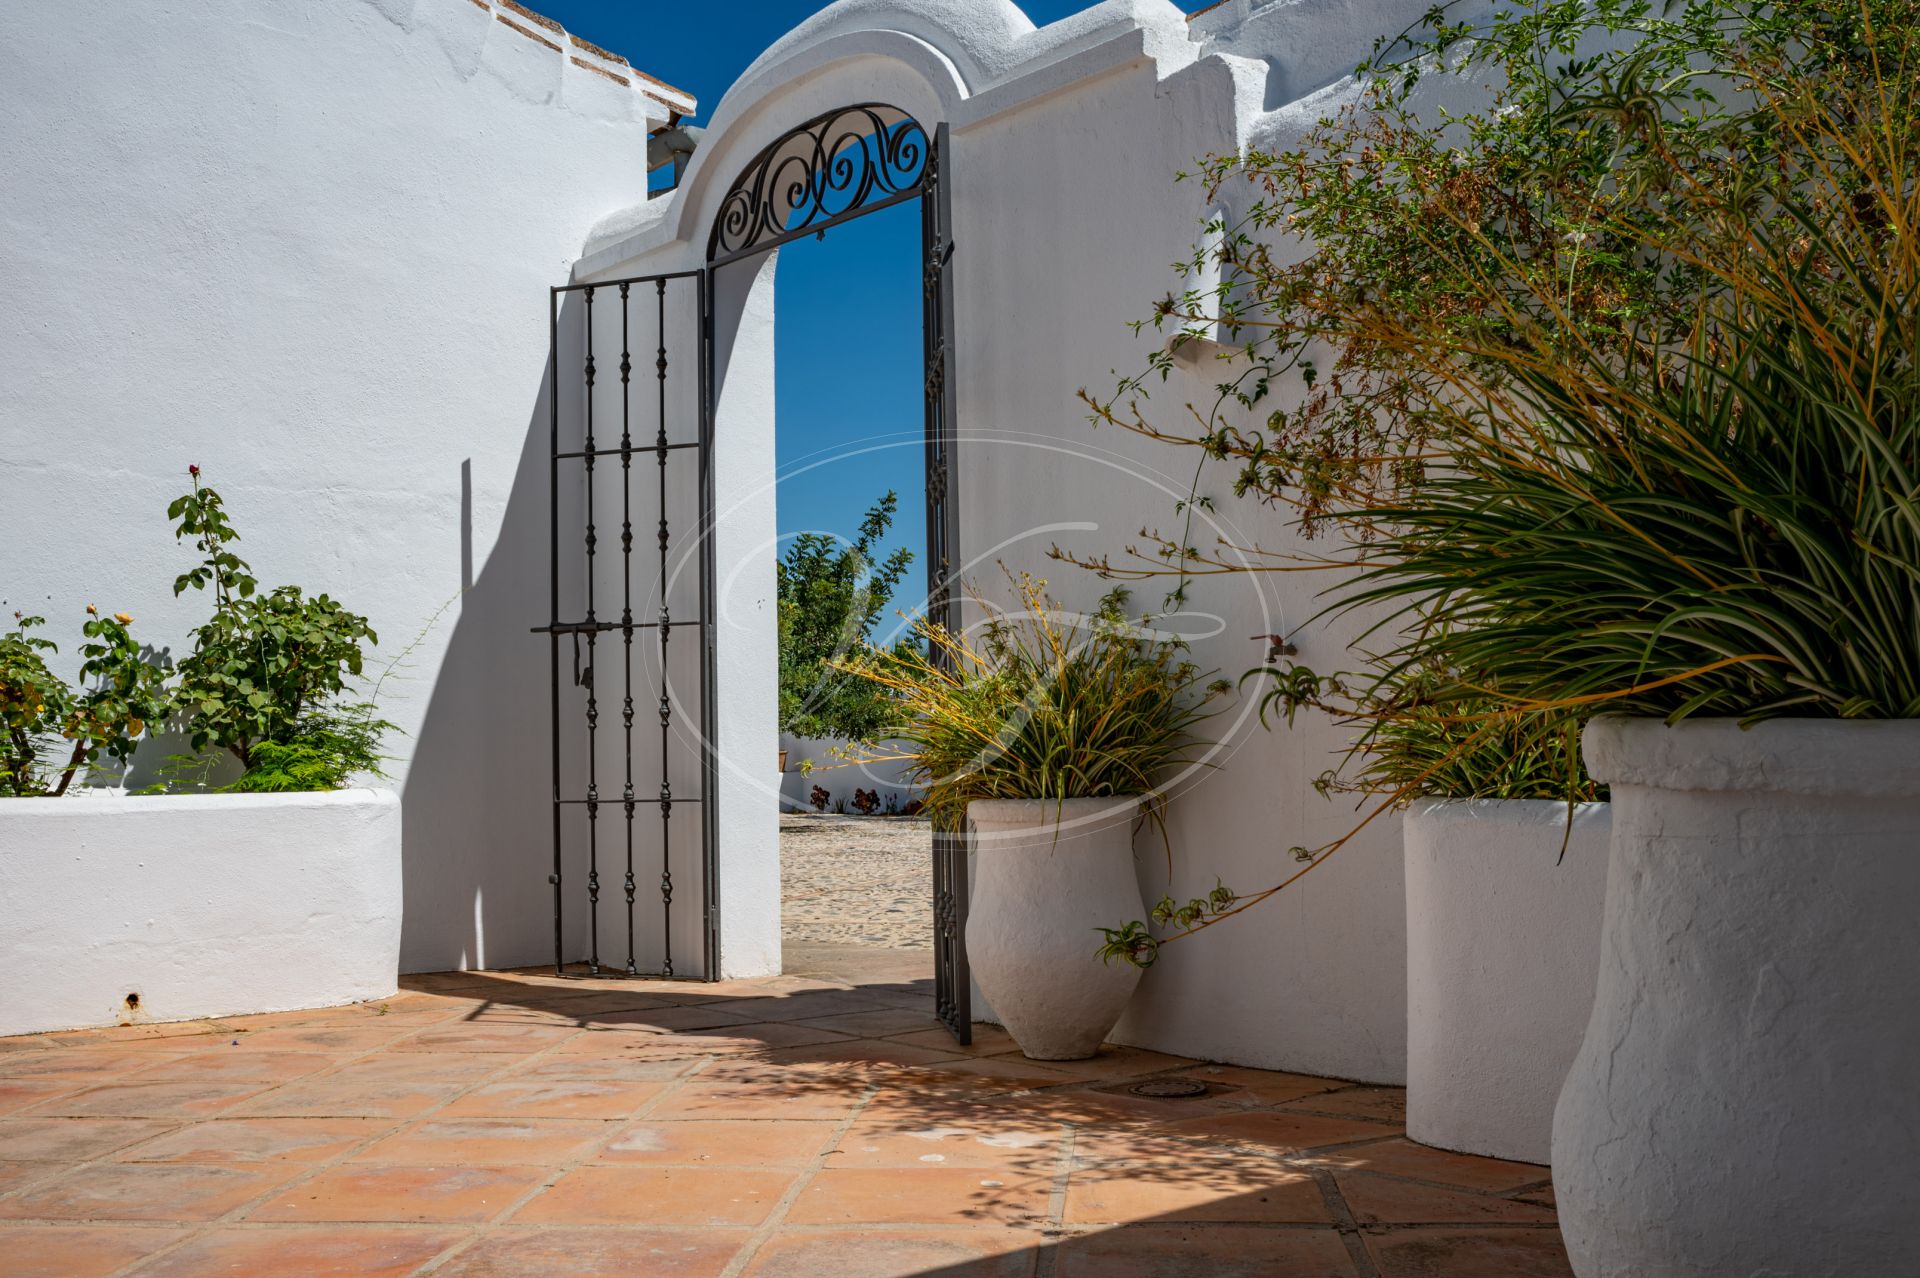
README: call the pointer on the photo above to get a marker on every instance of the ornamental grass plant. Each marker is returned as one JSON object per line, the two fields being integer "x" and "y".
{"x": 1040, "y": 704}
{"x": 1724, "y": 520}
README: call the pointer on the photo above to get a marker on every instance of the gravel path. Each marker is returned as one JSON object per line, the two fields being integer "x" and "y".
{"x": 856, "y": 880}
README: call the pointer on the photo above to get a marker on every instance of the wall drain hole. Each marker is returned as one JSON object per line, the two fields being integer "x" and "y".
{"x": 133, "y": 1002}
{"x": 1169, "y": 1088}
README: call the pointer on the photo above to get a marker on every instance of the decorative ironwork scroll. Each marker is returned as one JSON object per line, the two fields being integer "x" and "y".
{"x": 832, "y": 167}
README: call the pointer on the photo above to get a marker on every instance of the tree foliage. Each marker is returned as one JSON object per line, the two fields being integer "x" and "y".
{"x": 831, "y": 597}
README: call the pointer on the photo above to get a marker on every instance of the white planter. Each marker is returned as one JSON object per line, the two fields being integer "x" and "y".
{"x": 1047, "y": 875}
{"x": 1503, "y": 940}
{"x": 202, "y": 905}
{"x": 1747, "y": 1098}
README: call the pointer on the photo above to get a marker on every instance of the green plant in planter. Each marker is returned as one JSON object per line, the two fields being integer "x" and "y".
{"x": 265, "y": 677}
{"x": 1729, "y": 525}
{"x": 52, "y": 730}
{"x": 1610, "y": 207}
{"x": 1043, "y": 705}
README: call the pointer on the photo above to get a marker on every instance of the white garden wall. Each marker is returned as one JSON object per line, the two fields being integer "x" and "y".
{"x": 123, "y": 910}
{"x": 308, "y": 246}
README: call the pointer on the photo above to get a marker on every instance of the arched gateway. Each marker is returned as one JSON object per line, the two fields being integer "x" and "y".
{"x": 621, "y": 808}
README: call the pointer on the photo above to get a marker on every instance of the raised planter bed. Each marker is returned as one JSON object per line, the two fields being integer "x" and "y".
{"x": 1503, "y": 949}
{"x": 117, "y": 909}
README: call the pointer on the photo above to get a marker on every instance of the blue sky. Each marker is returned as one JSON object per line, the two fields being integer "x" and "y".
{"x": 848, "y": 413}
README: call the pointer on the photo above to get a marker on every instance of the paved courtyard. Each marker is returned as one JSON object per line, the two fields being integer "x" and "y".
{"x": 511, "y": 1123}
{"x": 856, "y": 880}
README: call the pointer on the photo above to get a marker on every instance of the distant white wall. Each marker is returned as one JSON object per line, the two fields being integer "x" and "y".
{"x": 1066, "y": 141}
{"x": 117, "y": 909}
{"x": 307, "y": 246}
{"x": 839, "y": 776}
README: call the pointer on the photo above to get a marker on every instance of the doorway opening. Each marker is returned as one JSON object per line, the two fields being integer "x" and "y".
{"x": 855, "y": 859}
{"x": 841, "y": 563}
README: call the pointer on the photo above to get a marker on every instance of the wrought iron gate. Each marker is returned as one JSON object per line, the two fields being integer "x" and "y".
{"x": 829, "y": 170}
{"x": 660, "y": 816}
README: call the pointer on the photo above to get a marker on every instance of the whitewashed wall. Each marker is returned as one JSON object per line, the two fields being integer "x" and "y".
{"x": 1066, "y": 140}
{"x": 307, "y": 246}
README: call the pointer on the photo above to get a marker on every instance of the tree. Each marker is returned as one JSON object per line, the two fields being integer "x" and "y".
{"x": 831, "y": 598}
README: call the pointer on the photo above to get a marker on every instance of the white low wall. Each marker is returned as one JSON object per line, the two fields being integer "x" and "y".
{"x": 1503, "y": 950}
{"x": 201, "y": 905}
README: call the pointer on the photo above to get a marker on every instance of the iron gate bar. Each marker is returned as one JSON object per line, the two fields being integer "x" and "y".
{"x": 592, "y": 626}
{"x": 953, "y": 981}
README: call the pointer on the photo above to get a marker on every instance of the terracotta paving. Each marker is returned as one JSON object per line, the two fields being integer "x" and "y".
{"x": 512, "y": 1124}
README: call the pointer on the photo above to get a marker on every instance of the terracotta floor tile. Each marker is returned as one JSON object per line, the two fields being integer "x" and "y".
{"x": 471, "y": 1037}
{"x": 664, "y": 1019}
{"x": 72, "y": 1140}
{"x": 1402, "y": 1157}
{"x": 404, "y": 1195}
{"x": 541, "y": 1094}
{"x": 865, "y": 1052}
{"x": 923, "y": 1196}
{"x": 698, "y": 1099}
{"x": 907, "y": 1253}
{"x": 772, "y": 1143}
{"x": 988, "y": 1040}
{"x": 162, "y": 1192}
{"x": 438, "y": 1067}
{"x": 341, "y": 1040}
{"x": 1279, "y": 1130}
{"x": 596, "y": 1253}
{"x": 1388, "y": 1104}
{"x": 529, "y": 1142}
{"x": 233, "y": 1065}
{"x": 1479, "y": 1253}
{"x": 1201, "y": 1251}
{"x": 895, "y": 1138}
{"x": 93, "y": 1066}
{"x": 19, "y": 1093}
{"x": 880, "y": 1023}
{"x": 19, "y": 1175}
{"x": 611, "y": 1069}
{"x": 1382, "y": 1200}
{"x": 1008, "y": 1073}
{"x": 139, "y": 1099}
{"x": 1113, "y": 1063}
{"x": 1265, "y": 1087}
{"x": 320, "y": 1251}
{"x": 257, "y": 1140}
{"x": 1236, "y": 1192}
{"x": 77, "y": 1251}
{"x": 338, "y": 1097}
{"x": 803, "y": 1005}
{"x": 716, "y": 1196}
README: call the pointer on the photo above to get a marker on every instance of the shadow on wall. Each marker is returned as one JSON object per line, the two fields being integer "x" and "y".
{"x": 478, "y": 838}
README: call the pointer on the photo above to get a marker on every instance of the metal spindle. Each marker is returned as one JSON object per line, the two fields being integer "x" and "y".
{"x": 666, "y": 632}
{"x": 626, "y": 605}
{"x": 593, "y": 702}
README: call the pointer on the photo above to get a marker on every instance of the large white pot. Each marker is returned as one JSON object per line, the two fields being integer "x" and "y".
{"x": 1747, "y": 1098}
{"x": 169, "y": 907}
{"x": 1047, "y": 875}
{"x": 1503, "y": 941}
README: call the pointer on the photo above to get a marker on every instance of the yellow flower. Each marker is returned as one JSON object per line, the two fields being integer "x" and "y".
{"x": 123, "y": 618}
{"x": 92, "y": 611}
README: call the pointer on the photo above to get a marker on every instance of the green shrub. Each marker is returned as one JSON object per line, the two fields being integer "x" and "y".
{"x": 51, "y": 730}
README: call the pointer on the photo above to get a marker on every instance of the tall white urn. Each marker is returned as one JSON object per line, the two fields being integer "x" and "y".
{"x": 1048, "y": 874}
{"x": 1503, "y": 943}
{"x": 1746, "y": 1101}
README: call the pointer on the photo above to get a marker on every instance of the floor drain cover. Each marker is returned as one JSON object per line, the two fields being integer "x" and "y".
{"x": 1169, "y": 1088}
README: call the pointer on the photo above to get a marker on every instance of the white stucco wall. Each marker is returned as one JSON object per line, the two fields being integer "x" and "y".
{"x": 1065, "y": 142}
{"x": 195, "y": 905}
{"x": 307, "y": 246}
